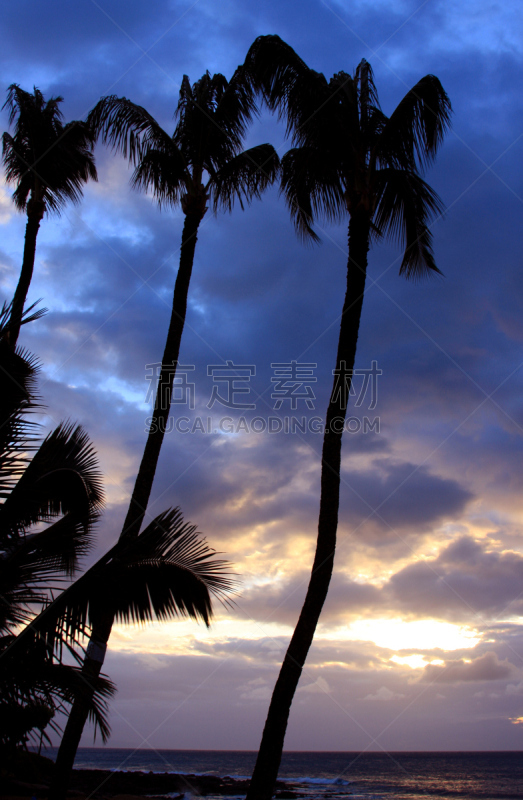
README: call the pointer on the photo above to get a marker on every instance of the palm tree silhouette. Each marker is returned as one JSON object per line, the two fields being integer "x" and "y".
{"x": 52, "y": 497}
{"x": 167, "y": 571}
{"x": 48, "y": 162}
{"x": 348, "y": 160}
{"x": 202, "y": 162}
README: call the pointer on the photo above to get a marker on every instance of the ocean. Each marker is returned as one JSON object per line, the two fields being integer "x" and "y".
{"x": 339, "y": 776}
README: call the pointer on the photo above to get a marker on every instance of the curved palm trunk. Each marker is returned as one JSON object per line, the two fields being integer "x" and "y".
{"x": 271, "y": 747}
{"x": 102, "y": 625}
{"x": 35, "y": 213}
{"x": 162, "y": 405}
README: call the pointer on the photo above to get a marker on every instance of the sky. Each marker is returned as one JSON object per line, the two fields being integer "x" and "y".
{"x": 420, "y": 645}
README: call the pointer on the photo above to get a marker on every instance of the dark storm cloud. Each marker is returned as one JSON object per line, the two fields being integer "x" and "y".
{"x": 267, "y": 650}
{"x": 94, "y": 49}
{"x": 254, "y": 489}
{"x": 407, "y": 501}
{"x": 115, "y": 47}
{"x": 281, "y": 602}
{"x": 464, "y": 582}
{"x": 426, "y": 360}
{"x": 403, "y": 495}
{"x": 484, "y": 668}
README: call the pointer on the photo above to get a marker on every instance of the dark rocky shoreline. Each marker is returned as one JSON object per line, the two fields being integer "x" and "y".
{"x": 102, "y": 784}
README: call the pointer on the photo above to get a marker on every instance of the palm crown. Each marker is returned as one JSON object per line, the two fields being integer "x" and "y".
{"x": 59, "y": 485}
{"x": 348, "y": 156}
{"x": 45, "y": 159}
{"x": 48, "y": 163}
{"x": 203, "y": 159}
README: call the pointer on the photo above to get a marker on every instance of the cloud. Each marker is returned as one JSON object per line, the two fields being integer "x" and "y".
{"x": 384, "y": 695}
{"x": 443, "y": 472}
{"x": 466, "y": 584}
{"x": 398, "y": 494}
{"x": 7, "y": 209}
{"x": 465, "y": 581}
{"x": 483, "y": 668}
{"x": 257, "y": 689}
{"x": 319, "y": 686}
{"x": 514, "y": 689}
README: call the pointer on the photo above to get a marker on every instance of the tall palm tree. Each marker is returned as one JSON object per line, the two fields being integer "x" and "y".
{"x": 351, "y": 161}
{"x": 202, "y": 162}
{"x": 48, "y": 162}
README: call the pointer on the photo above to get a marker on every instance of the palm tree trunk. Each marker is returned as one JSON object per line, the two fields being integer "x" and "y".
{"x": 269, "y": 755}
{"x": 91, "y": 668}
{"x": 35, "y": 212}
{"x": 162, "y": 406}
{"x": 101, "y": 627}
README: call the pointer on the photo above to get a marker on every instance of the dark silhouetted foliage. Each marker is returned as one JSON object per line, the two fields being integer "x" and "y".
{"x": 348, "y": 162}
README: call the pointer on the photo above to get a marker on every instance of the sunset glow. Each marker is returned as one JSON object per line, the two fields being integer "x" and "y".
{"x": 420, "y": 640}
{"x": 422, "y": 634}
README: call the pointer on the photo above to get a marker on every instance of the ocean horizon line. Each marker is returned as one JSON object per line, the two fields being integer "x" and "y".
{"x": 238, "y": 750}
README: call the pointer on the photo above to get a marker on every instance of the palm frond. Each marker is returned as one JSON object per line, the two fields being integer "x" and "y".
{"x": 211, "y": 121}
{"x": 34, "y": 676}
{"x": 367, "y": 93}
{"x": 418, "y": 124}
{"x": 126, "y": 127}
{"x": 62, "y": 478}
{"x": 347, "y": 154}
{"x": 405, "y": 207}
{"x": 164, "y": 172}
{"x": 23, "y": 105}
{"x": 312, "y": 188}
{"x": 303, "y": 98}
{"x": 273, "y": 68}
{"x": 54, "y": 549}
{"x": 62, "y": 483}
{"x": 245, "y": 177}
{"x": 235, "y": 108}
{"x": 17, "y": 170}
{"x": 19, "y": 371}
{"x": 67, "y": 165}
{"x": 165, "y": 572}
{"x": 344, "y": 109}
{"x": 29, "y": 315}
{"x": 168, "y": 571}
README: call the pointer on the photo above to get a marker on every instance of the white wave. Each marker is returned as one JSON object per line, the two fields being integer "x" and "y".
{"x": 320, "y": 781}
